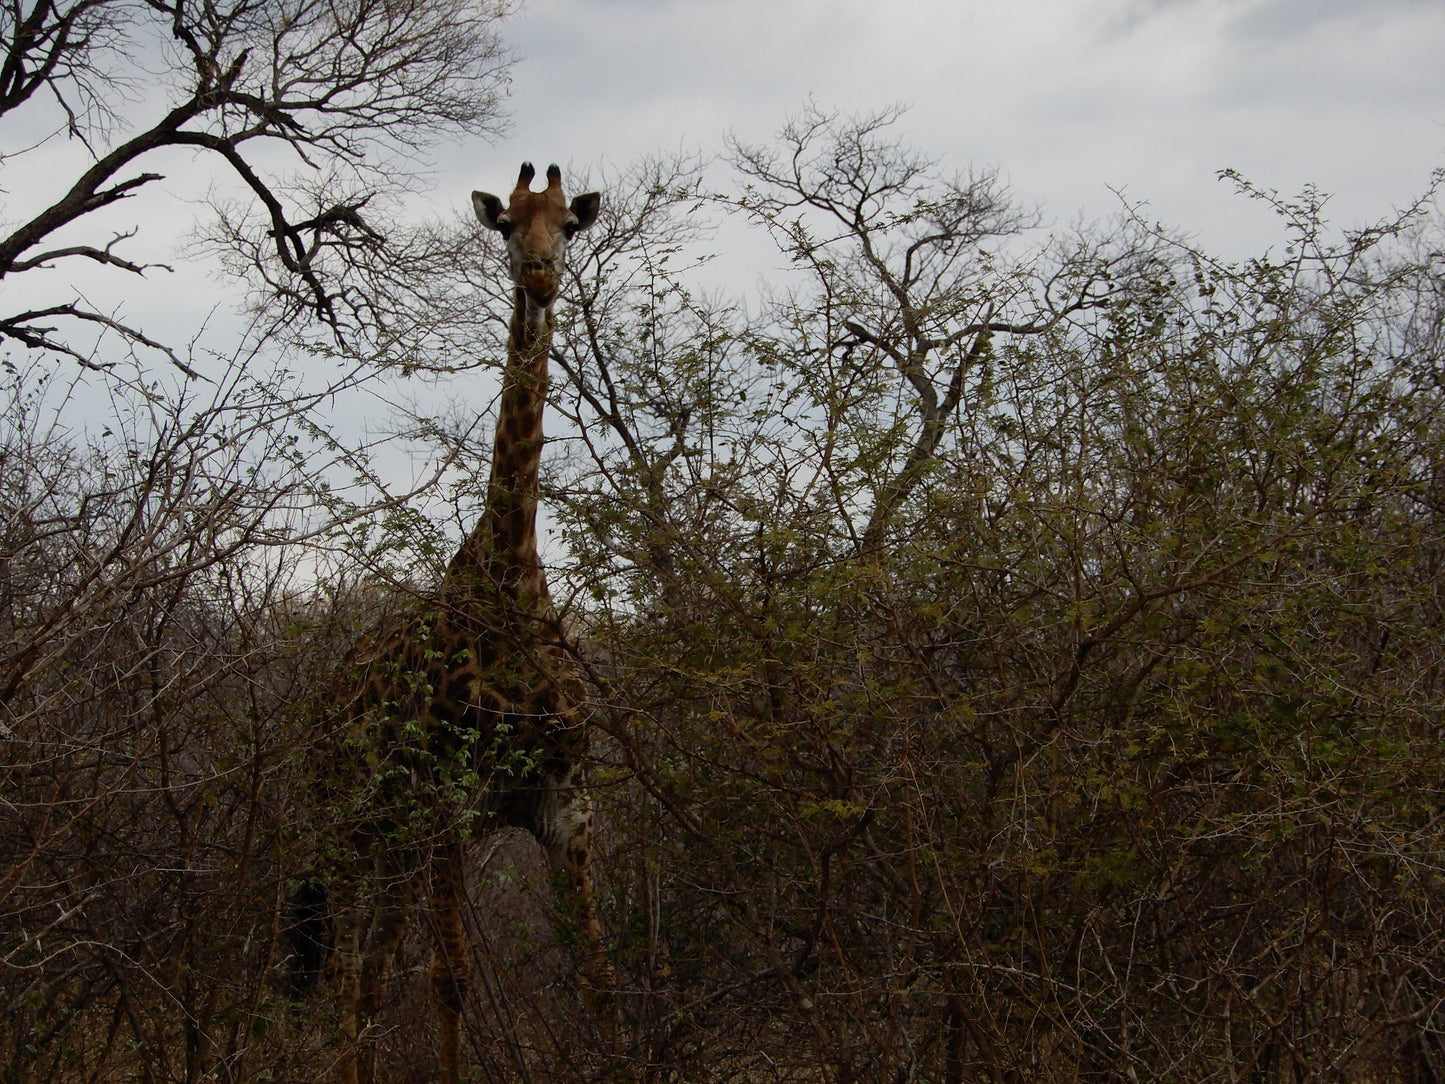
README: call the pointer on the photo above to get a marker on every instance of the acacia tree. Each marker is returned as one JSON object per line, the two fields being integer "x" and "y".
{"x": 154, "y": 535}
{"x": 311, "y": 109}
{"x": 143, "y": 657}
{"x": 1115, "y": 759}
{"x": 910, "y": 277}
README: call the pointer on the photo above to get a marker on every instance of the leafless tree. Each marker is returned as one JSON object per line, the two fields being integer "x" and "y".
{"x": 314, "y": 110}
{"x": 908, "y": 268}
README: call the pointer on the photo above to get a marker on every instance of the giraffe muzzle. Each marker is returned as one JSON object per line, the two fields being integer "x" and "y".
{"x": 540, "y": 280}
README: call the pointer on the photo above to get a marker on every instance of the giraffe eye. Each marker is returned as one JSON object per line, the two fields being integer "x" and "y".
{"x": 504, "y": 227}
{"x": 570, "y": 228}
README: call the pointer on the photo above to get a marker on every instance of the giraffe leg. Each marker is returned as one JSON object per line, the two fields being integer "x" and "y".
{"x": 344, "y": 968}
{"x": 390, "y": 917}
{"x": 452, "y": 962}
{"x": 563, "y": 825}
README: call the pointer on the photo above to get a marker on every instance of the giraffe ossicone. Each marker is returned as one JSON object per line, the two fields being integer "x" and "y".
{"x": 469, "y": 711}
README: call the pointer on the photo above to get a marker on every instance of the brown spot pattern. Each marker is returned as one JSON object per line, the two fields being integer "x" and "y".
{"x": 473, "y": 694}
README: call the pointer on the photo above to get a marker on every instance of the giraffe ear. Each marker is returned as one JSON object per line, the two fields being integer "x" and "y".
{"x": 489, "y": 209}
{"x": 585, "y": 208}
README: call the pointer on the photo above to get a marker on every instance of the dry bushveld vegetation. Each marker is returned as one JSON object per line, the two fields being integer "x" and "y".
{"x": 1014, "y": 658}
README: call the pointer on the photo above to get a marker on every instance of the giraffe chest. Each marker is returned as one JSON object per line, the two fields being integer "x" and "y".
{"x": 488, "y": 709}
{"x": 432, "y": 689}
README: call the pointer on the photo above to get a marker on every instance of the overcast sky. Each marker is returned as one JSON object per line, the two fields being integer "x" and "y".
{"x": 1068, "y": 98}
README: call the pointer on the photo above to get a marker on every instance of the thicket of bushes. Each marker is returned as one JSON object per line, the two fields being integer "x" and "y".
{"x": 1012, "y": 661}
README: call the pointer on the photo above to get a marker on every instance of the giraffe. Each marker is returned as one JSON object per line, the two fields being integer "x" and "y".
{"x": 468, "y": 712}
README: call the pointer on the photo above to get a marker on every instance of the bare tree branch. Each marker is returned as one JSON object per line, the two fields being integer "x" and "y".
{"x": 353, "y": 90}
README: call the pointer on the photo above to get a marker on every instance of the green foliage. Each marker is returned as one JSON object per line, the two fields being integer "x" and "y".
{"x": 1044, "y": 685}
{"x": 1010, "y": 659}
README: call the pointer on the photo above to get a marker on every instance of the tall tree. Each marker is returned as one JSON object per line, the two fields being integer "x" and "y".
{"x": 312, "y": 107}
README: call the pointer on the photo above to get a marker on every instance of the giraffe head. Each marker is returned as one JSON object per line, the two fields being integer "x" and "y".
{"x": 536, "y": 227}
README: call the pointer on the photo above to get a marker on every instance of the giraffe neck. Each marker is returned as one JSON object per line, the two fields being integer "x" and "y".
{"x": 501, "y": 551}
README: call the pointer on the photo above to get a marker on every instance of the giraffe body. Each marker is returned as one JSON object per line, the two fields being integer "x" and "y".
{"x": 468, "y": 712}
